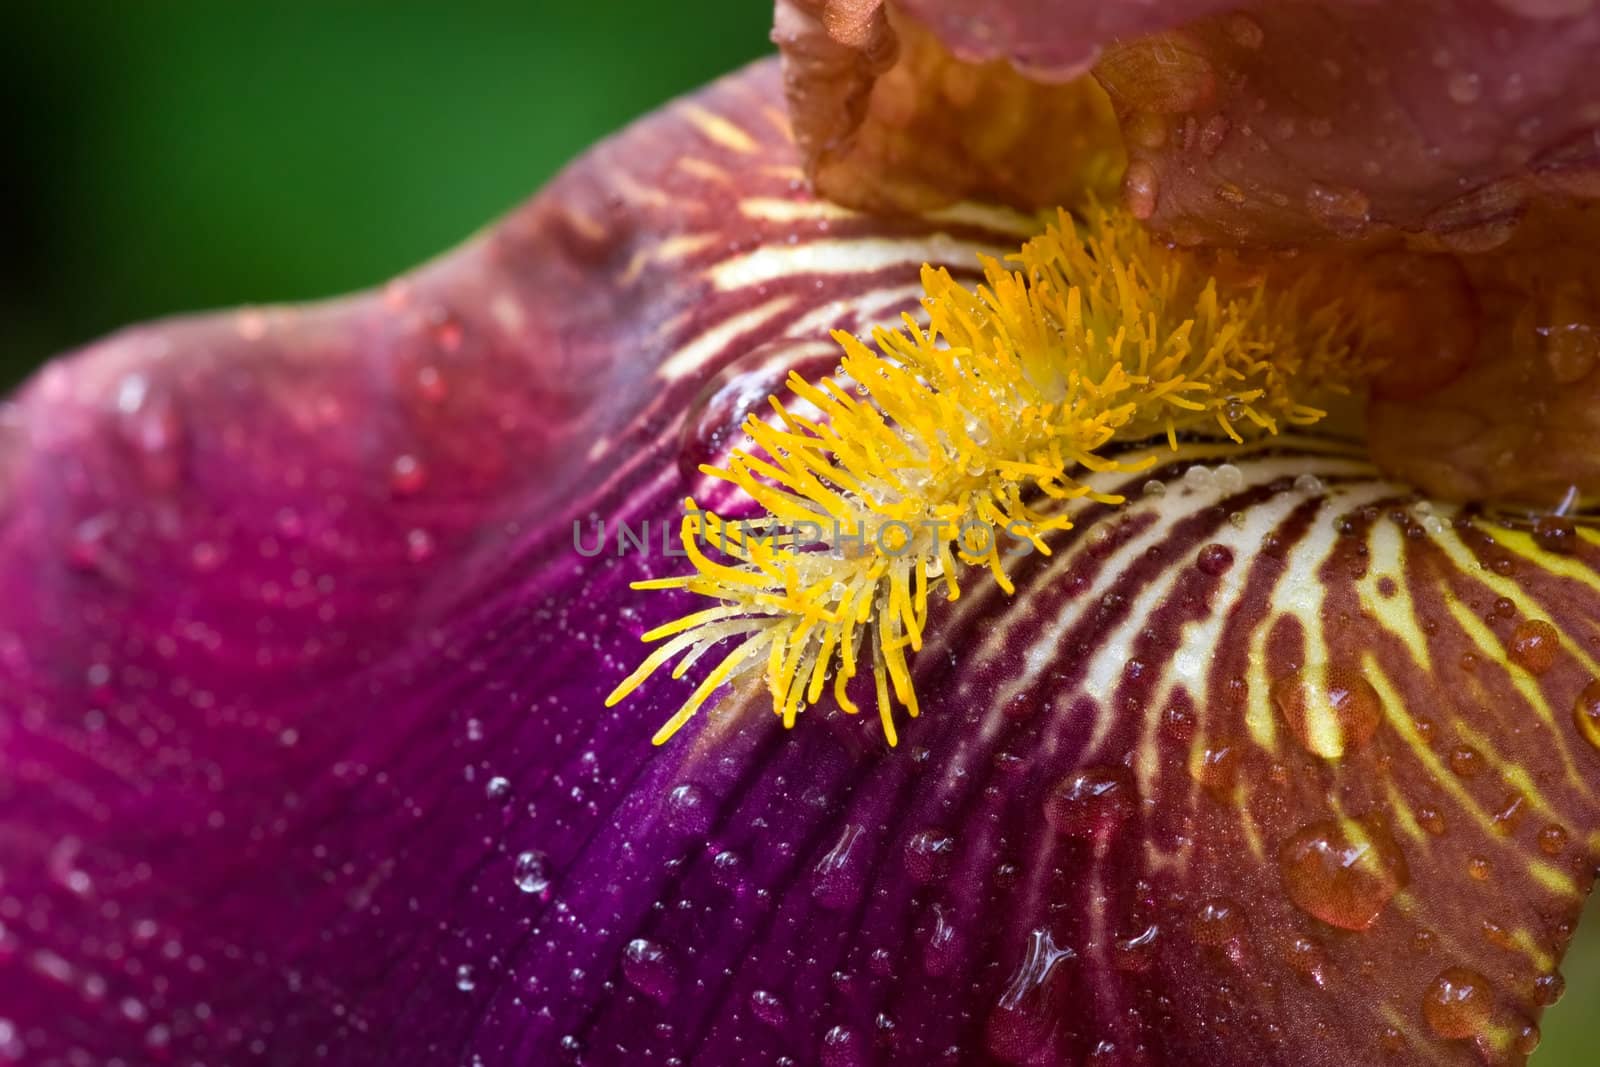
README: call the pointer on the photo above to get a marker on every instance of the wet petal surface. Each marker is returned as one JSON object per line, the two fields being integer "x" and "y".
{"x": 1263, "y": 123}
{"x": 303, "y": 670}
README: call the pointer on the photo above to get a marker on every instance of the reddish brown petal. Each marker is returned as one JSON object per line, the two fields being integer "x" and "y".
{"x": 888, "y": 118}
{"x": 1267, "y": 123}
{"x": 1295, "y": 122}
{"x": 1519, "y": 418}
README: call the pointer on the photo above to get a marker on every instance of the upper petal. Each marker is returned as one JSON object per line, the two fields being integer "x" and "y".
{"x": 1263, "y": 124}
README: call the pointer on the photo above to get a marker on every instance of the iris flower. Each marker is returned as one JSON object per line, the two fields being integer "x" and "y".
{"x": 1265, "y": 726}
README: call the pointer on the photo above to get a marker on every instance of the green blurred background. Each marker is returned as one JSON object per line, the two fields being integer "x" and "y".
{"x": 174, "y": 155}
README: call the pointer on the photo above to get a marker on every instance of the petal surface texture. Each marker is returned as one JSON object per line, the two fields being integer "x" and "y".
{"x": 1257, "y": 123}
{"x": 305, "y": 759}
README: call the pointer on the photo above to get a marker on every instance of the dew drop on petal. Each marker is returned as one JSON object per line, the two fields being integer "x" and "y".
{"x": 1093, "y": 802}
{"x": 464, "y": 979}
{"x": 1340, "y": 209}
{"x": 928, "y": 854}
{"x": 1217, "y": 767}
{"x": 407, "y": 475}
{"x": 839, "y": 874}
{"x": 1586, "y": 713}
{"x": 1343, "y": 872}
{"x": 649, "y": 969}
{"x": 1458, "y": 1003}
{"x": 769, "y": 1008}
{"x": 530, "y": 873}
{"x": 1020, "y": 1025}
{"x": 689, "y": 808}
{"x": 1218, "y": 923}
{"x": 1556, "y": 534}
{"x": 1330, "y": 710}
{"x": 1534, "y": 645}
{"x": 843, "y": 1047}
{"x": 1141, "y": 188}
{"x": 1214, "y": 560}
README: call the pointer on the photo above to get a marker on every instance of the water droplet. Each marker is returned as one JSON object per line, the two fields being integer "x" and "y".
{"x": 1586, "y": 713}
{"x": 1458, "y": 1003}
{"x": 530, "y": 873}
{"x": 843, "y": 1047}
{"x": 1021, "y": 1024}
{"x": 1479, "y": 868}
{"x": 1553, "y": 840}
{"x": 1548, "y": 988}
{"x": 690, "y": 808}
{"x": 1343, "y": 872}
{"x": 407, "y": 475}
{"x": 1466, "y": 762}
{"x": 1093, "y": 802}
{"x": 1214, "y": 560}
{"x": 1145, "y": 130}
{"x": 768, "y": 1007}
{"x": 839, "y": 874}
{"x": 419, "y": 545}
{"x": 498, "y": 789}
{"x": 1464, "y": 87}
{"x": 1217, "y": 768}
{"x": 1309, "y": 484}
{"x": 1141, "y": 188}
{"x": 464, "y": 980}
{"x": 1534, "y": 645}
{"x": 941, "y": 947}
{"x": 1556, "y": 533}
{"x": 150, "y": 423}
{"x": 928, "y": 855}
{"x": 1330, "y": 709}
{"x": 649, "y": 969}
{"x": 1309, "y": 960}
{"x": 1341, "y": 209}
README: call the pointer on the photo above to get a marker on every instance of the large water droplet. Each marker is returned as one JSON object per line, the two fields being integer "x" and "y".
{"x": 1219, "y": 923}
{"x": 530, "y": 872}
{"x": 1534, "y": 645}
{"x": 649, "y": 969}
{"x": 1343, "y": 872}
{"x": 1330, "y": 710}
{"x": 1020, "y": 1026}
{"x": 1093, "y": 802}
{"x": 1141, "y": 188}
{"x": 769, "y": 1008}
{"x": 1458, "y": 1003}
